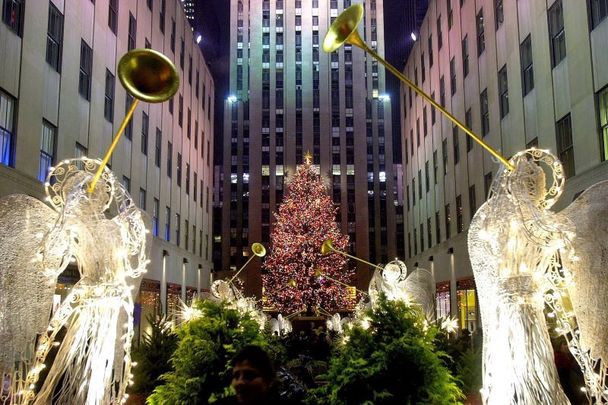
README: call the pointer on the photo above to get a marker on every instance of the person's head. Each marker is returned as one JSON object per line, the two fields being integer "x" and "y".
{"x": 252, "y": 375}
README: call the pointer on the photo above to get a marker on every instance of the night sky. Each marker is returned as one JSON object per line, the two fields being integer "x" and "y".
{"x": 213, "y": 21}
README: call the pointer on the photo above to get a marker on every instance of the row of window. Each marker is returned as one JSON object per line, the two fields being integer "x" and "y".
{"x": 565, "y": 151}
{"x": 558, "y": 53}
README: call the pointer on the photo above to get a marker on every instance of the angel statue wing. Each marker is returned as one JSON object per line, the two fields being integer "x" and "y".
{"x": 587, "y": 261}
{"x": 28, "y": 274}
{"x": 420, "y": 289}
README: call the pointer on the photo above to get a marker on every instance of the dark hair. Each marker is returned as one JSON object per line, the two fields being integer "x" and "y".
{"x": 258, "y": 358}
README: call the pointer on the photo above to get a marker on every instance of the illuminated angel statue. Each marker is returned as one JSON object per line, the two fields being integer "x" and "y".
{"x": 517, "y": 247}
{"x": 417, "y": 288}
{"x": 104, "y": 233}
{"x": 512, "y": 240}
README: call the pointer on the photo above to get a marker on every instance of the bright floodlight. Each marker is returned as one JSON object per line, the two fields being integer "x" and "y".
{"x": 413, "y": 36}
{"x": 384, "y": 97}
{"x": 231, "y": 98}
{"x": 199, "y": 37}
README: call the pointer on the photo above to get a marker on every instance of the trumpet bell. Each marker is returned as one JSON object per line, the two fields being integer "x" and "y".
{"x": 327, "y": 247}
{"x": 258, "y": 249}
{"x": 344, "y": 29}
{"x": 148, "y": 75}
{"x": 292, "y": 283}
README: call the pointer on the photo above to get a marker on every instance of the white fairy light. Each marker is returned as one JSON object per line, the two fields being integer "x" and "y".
{"x": 539, "y": 244}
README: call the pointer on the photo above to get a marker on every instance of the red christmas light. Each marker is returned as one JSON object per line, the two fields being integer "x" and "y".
{"x": 304, "y": 220}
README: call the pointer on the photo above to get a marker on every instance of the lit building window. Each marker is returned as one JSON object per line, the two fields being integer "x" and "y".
{"x": 442, "y": 298}
{"x": 467, "y": 304}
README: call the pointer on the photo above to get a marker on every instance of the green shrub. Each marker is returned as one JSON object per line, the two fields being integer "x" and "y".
{"x": 152, "y": 356}
{"x": 201, "y": 362}
{"x": 393, "y": 361}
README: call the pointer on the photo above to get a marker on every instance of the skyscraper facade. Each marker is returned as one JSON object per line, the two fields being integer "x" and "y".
{"x": 60, "y": 98}
{"x": 519, "y": 74}
{"x": 288, "y": 97}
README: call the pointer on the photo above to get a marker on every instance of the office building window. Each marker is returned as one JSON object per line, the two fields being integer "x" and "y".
{"x": 459, "y": 217}
{"x": 142, "y": 198}
{"x": 487, "y": 184}
{"x": 7, "y": 128}
{"x": 439, "y": 33}
{"x": 189, "y": 124}
{"x": 565, "y": 148}
{"x": 157, "y": 147}
{"x": 182, "y": 49}
{"x": 12, "y": 15}
{"x": 444, "y": 155}
{"x": 603, "y": 113}
{"x": 155, "y": 211}
{"x": 421, "y": 238}
{"x": 167, "y": 224}
{"x": 80, "y": 151}
{"x": 435, "y": 167}
{"x": 131, "y": 41}
{"x": 450, "y": 15}
{"x": 427, "y": 176}
{"x": 527, "y": 67}
{"x": 467, "y": 304}
{"x": 499, "y": 15}
{"x": 172, "y": 43}
{"x": 54, "y": 37}
{"x": 161, "y": 21}
{"x": 186, "y": 234}
{"x": 472, "y": 201}
{"x": 47, "y": 149}
{"x": 533, "y": 143}
{"x": 503, "y": 91}
{"x": 169, "y": 159}
{"x": 430, "y": 47}
{"x": 453, "y": 76}
{"x": 448, "y": 221}
{"x": 468, "y": 122}
{"x": 437, "y": 228}
{"x": 129, "y": 127}
{"x": 113, "y": 15}
{"x": 178, "y": 172}
{"x": 126, "y": 183}
{"x": 108, "y": 105}
{"x": 187, "y": 178}
{"x": 442, "y": 298}
{"x": 465, "y": 56}
{"x": 86, "y": 66}
{"x": 178, "y": 224}
{"x": 599, "y": 11}
{"x": 144, "y": 133}
{"x": 557, "y": 36}
{"x": 456, "y": 144}
{"x": 485, "y": 113}
{"x": 180, "y": 111}
{"x": 481, "y": 37}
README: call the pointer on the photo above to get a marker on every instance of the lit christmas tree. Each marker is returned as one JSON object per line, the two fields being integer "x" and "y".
{"x": 298, "y": 277}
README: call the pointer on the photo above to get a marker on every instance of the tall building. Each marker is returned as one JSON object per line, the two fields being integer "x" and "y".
{"x": 519, "y": 74}
{"x": 289, "y": 97}
{"x": 60, "y": 99}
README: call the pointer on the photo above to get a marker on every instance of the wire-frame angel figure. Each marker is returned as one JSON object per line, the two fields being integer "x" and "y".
{"x": 518, "y": 249}
{"x": 104, "y": 233}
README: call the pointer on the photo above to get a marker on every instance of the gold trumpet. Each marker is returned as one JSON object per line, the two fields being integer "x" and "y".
{"x": 344, "y": 30}
{"x": 147, "y": 75}
{"x": 258, "y": 250}
{"x": 319, "y": 273}
{"x": 328, "y": 247}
